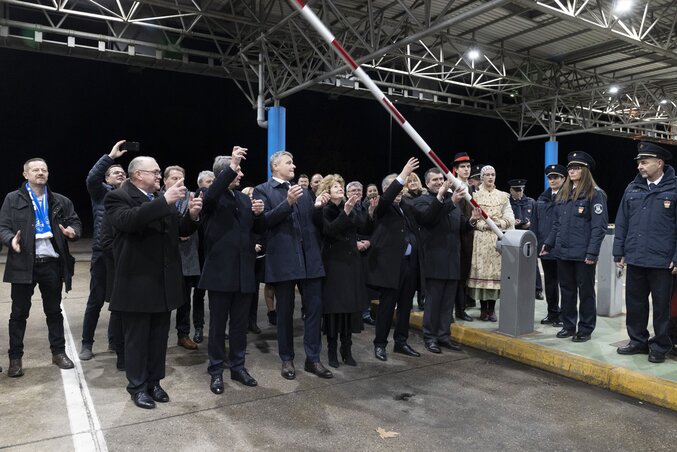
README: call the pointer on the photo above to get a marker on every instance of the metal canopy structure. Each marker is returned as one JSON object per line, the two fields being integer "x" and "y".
{"x": 546, "y": 68}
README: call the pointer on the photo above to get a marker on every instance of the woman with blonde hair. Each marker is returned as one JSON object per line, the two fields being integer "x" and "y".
{"x": 344, "y": 288}
{"x": 413, "y": 188}
{"x": 484, "y": 282}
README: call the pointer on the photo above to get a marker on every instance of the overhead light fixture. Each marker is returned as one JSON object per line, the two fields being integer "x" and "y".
{"x": 623, "y": 6}
{"x": 474, "y": 54}
{"x": 613, "y": 89}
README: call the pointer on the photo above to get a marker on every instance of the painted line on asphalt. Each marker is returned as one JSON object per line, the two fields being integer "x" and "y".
{"x": 85, "y": 427}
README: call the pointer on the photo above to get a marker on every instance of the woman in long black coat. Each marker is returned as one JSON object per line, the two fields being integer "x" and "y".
{"x": 344, "y": 289}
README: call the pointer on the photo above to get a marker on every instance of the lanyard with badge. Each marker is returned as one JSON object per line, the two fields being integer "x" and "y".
{"x": 43, "y": 229}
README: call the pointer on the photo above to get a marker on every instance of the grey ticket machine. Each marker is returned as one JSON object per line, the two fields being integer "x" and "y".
{"x": 609, "y": 279}
{"x": 518, "y": 282}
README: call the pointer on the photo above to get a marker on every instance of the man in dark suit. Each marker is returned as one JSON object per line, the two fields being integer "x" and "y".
{"x": 148, "y": 279}
{"x": 293, "y": 255}
{"x": 229, "y": 218}
{"x": 393, "y": 262}
{"x": 441, "y": 237}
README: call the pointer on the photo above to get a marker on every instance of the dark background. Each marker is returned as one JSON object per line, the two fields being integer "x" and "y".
{"x": 71, "y": 111}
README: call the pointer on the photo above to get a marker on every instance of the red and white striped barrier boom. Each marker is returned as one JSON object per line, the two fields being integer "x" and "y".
{"x": 322, "y": 29}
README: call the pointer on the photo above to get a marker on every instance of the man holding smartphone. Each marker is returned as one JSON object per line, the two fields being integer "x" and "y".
{"x": 104, "y": 176}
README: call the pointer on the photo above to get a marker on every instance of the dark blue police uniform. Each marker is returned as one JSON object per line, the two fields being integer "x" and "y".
{"x": 577, "y": 233}
{"x": 646, "y": 237}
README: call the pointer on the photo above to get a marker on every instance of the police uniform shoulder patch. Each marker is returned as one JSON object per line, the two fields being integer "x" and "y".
{"x": 598, "y": 209}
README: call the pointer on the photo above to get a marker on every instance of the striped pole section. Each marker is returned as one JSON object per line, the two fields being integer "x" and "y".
{"x": 317, "y": 24}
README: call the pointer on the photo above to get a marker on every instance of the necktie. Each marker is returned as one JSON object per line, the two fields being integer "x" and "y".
{"x": 652, "y": 186}
{"x": 150, "y": 196}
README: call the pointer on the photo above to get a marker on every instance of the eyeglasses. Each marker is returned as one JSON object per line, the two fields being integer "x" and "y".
{"x": 155, "y": 173}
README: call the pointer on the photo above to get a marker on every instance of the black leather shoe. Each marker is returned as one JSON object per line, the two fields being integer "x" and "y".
{"x": 198, "y": 337}
{"x": 243, "y": 377}
{"x": 432, "y": 347}
{"x": 565, "y": 333}
{"x": 539, "y": 295}
{"x": 380, "y": 353}
{"x": 318, "y": 369}
{"x": 632, "y": 349}
{"x": 656, "y": 358}
{"x": 288, "y": 372}
{"x": 143, "y": 400}
{"x": 216, "y": 386}
{"x": 464, "y": 316}
{"x": 158, "y": 394}
{"x": 15, "y": 368}
{"x": 557, "y": 323}
{"x": 62, "y": 361}
{"x": 581, "y": 337}
{"x": 254, "y": 328}
{"x": 406, "y": 349}
{"x": 451, "y": 345}
{"x": 547, "y": 321}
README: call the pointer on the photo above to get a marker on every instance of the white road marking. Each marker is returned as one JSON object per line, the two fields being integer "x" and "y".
{"x": 84, "y": 423}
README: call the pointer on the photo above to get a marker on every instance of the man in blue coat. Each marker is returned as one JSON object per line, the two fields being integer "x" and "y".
{"x": 541, "y": 224}
{"x": 229, "y": 218}
{"x": 104, "y": 176}
{"x": 293, "y": 255}
{"x": 646, "y": 240}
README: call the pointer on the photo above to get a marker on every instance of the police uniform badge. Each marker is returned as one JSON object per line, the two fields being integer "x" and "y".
{"x": 667, "y": 203}
{"x": 598, "y": 209}
{"x": 581, "y": 209}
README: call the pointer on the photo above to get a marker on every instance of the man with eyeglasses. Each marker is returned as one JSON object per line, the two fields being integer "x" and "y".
{"x": 148, "y": 278}
{"x": 104, "y": 176}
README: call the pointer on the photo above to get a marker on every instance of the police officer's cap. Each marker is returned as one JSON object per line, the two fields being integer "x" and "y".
{"x": 476, "y": 170}
{"x": 517, "y": 184}
{"x": 558, "y": 169}
{"x": 646, "y": 150}
{"x": 461, "y": 157}
{"x": 581, "y": 158}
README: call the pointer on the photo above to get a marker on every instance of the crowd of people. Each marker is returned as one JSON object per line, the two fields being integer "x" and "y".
{"x": 159, "y": 247}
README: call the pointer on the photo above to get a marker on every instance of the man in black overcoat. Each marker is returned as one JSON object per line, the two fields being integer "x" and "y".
{"x": 228, "y": 219}
{"x": 394, "y": 262}
{"x": 148, "y": 281}
{"x": 441, "y": 237}
{"x": 293, "y": 255}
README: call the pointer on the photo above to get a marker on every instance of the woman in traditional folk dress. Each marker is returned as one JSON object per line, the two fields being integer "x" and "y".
{"x": 484, "y": 282}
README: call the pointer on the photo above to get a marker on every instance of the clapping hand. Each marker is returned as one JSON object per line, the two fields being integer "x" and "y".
{"x": 257, "y": 207}
{"x": 176, "y": 192}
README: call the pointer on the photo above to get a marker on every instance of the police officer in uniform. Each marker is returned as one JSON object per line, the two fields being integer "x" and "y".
{"x": 581, "y": 221}
{"x": 541, "y": 224}
{"x": 646, "y": 240}
{"x": 523, "y": 208}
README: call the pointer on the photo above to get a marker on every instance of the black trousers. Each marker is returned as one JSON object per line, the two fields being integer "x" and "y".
{"x": 224, "y": 306}
{"x": 97, "y": 296}
{"x": 146, "y": 337}
{"x": 577, "y": 280}
{"x": 253, "y": 306}
{"x": 47, "y": 276}
{"x": 311, "y": 299}
{"x": 551, "y": 286}
{"x": 183, "y": 311}
{"x": 402, "y": 298}
{"x": 440, "y": 297}
{"x": 639, "y": 283}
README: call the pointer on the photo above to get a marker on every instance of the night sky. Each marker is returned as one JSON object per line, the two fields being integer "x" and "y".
{"x": 71, "y": 111}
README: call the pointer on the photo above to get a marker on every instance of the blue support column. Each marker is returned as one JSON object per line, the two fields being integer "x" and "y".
{"x": 550, "y": 157}
{"x": 277, "y": 123}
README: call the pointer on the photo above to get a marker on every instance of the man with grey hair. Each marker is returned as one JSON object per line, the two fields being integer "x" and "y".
{"x": 293, "y": 255}
{"x": 204, "y": 181}
{"x": 229, "y": 220}
{"x": 394, "y": 262}
{"x": 148, "y": 278}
